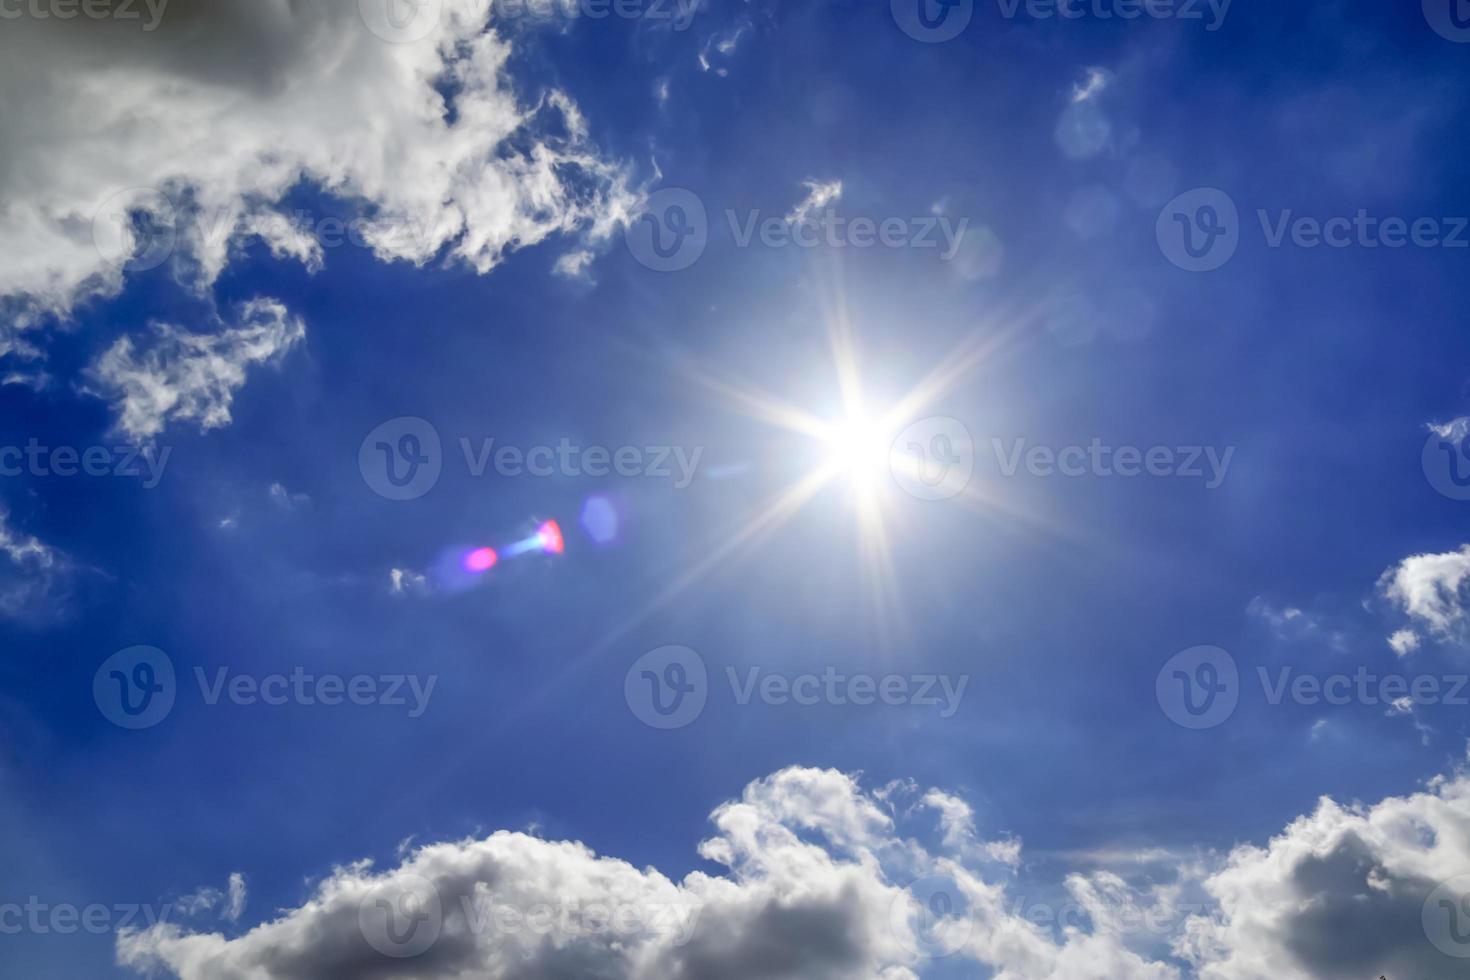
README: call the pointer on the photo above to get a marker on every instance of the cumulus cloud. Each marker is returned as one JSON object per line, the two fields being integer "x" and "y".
{"x": 1404, "y": 642}
{"x": 180, "y": 376}
{"x": 1427, "y": 588}
{"x": 127, "y": 147}
{"x": 1346, "y": 891}
{"x": 816, "y": 885}
{"x": 823, "y": 879}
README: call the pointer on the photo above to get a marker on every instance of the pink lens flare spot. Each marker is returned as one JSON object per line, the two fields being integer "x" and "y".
{"x": 481, "y": 561}
{"x": 551, "y": 539}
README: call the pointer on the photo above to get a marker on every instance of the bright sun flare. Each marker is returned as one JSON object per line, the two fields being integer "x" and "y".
{"x": 857, "y": 452}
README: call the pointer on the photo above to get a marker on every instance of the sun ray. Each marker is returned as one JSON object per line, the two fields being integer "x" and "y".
{"x": 981, "y": 345}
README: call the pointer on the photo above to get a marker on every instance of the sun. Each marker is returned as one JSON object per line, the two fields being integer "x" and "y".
{"x": 857, "y": 450}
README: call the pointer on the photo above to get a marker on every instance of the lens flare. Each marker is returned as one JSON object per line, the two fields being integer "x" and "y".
{"x": 600, "y": 520}
{"x": 550, "y": 537}
{"x": 481, "y": 560}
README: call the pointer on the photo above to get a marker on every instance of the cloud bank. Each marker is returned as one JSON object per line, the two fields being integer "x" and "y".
{"x": 824, "y": 879}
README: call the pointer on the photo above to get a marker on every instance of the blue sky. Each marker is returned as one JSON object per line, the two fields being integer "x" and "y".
{"x": 499, "y": 289}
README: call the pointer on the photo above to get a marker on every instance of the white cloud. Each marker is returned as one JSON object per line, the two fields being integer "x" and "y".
{"x": 236, "y": 905}
{"x": 189, "y": 377}
{"x": 1095, "y": 84}
{"x": 34, "y": 576}
{"x": 404, "y": 582}
{"x": 819, "y": 195}
{"x": 1338, "y": 893}
{"x": 230, "y": 104}
{"x": 814, "y": 888}
{"x": 722, "y": 44}
{"x": 285, "y": 499}
{"x": 817, "y": 885}
{"x": 230, "y": 906}
{"x": 1289, "y": 623}
{"x": 574, "y": 265}
{"x": 1404, "y": 642}
{"x": 1428, "y": 589}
